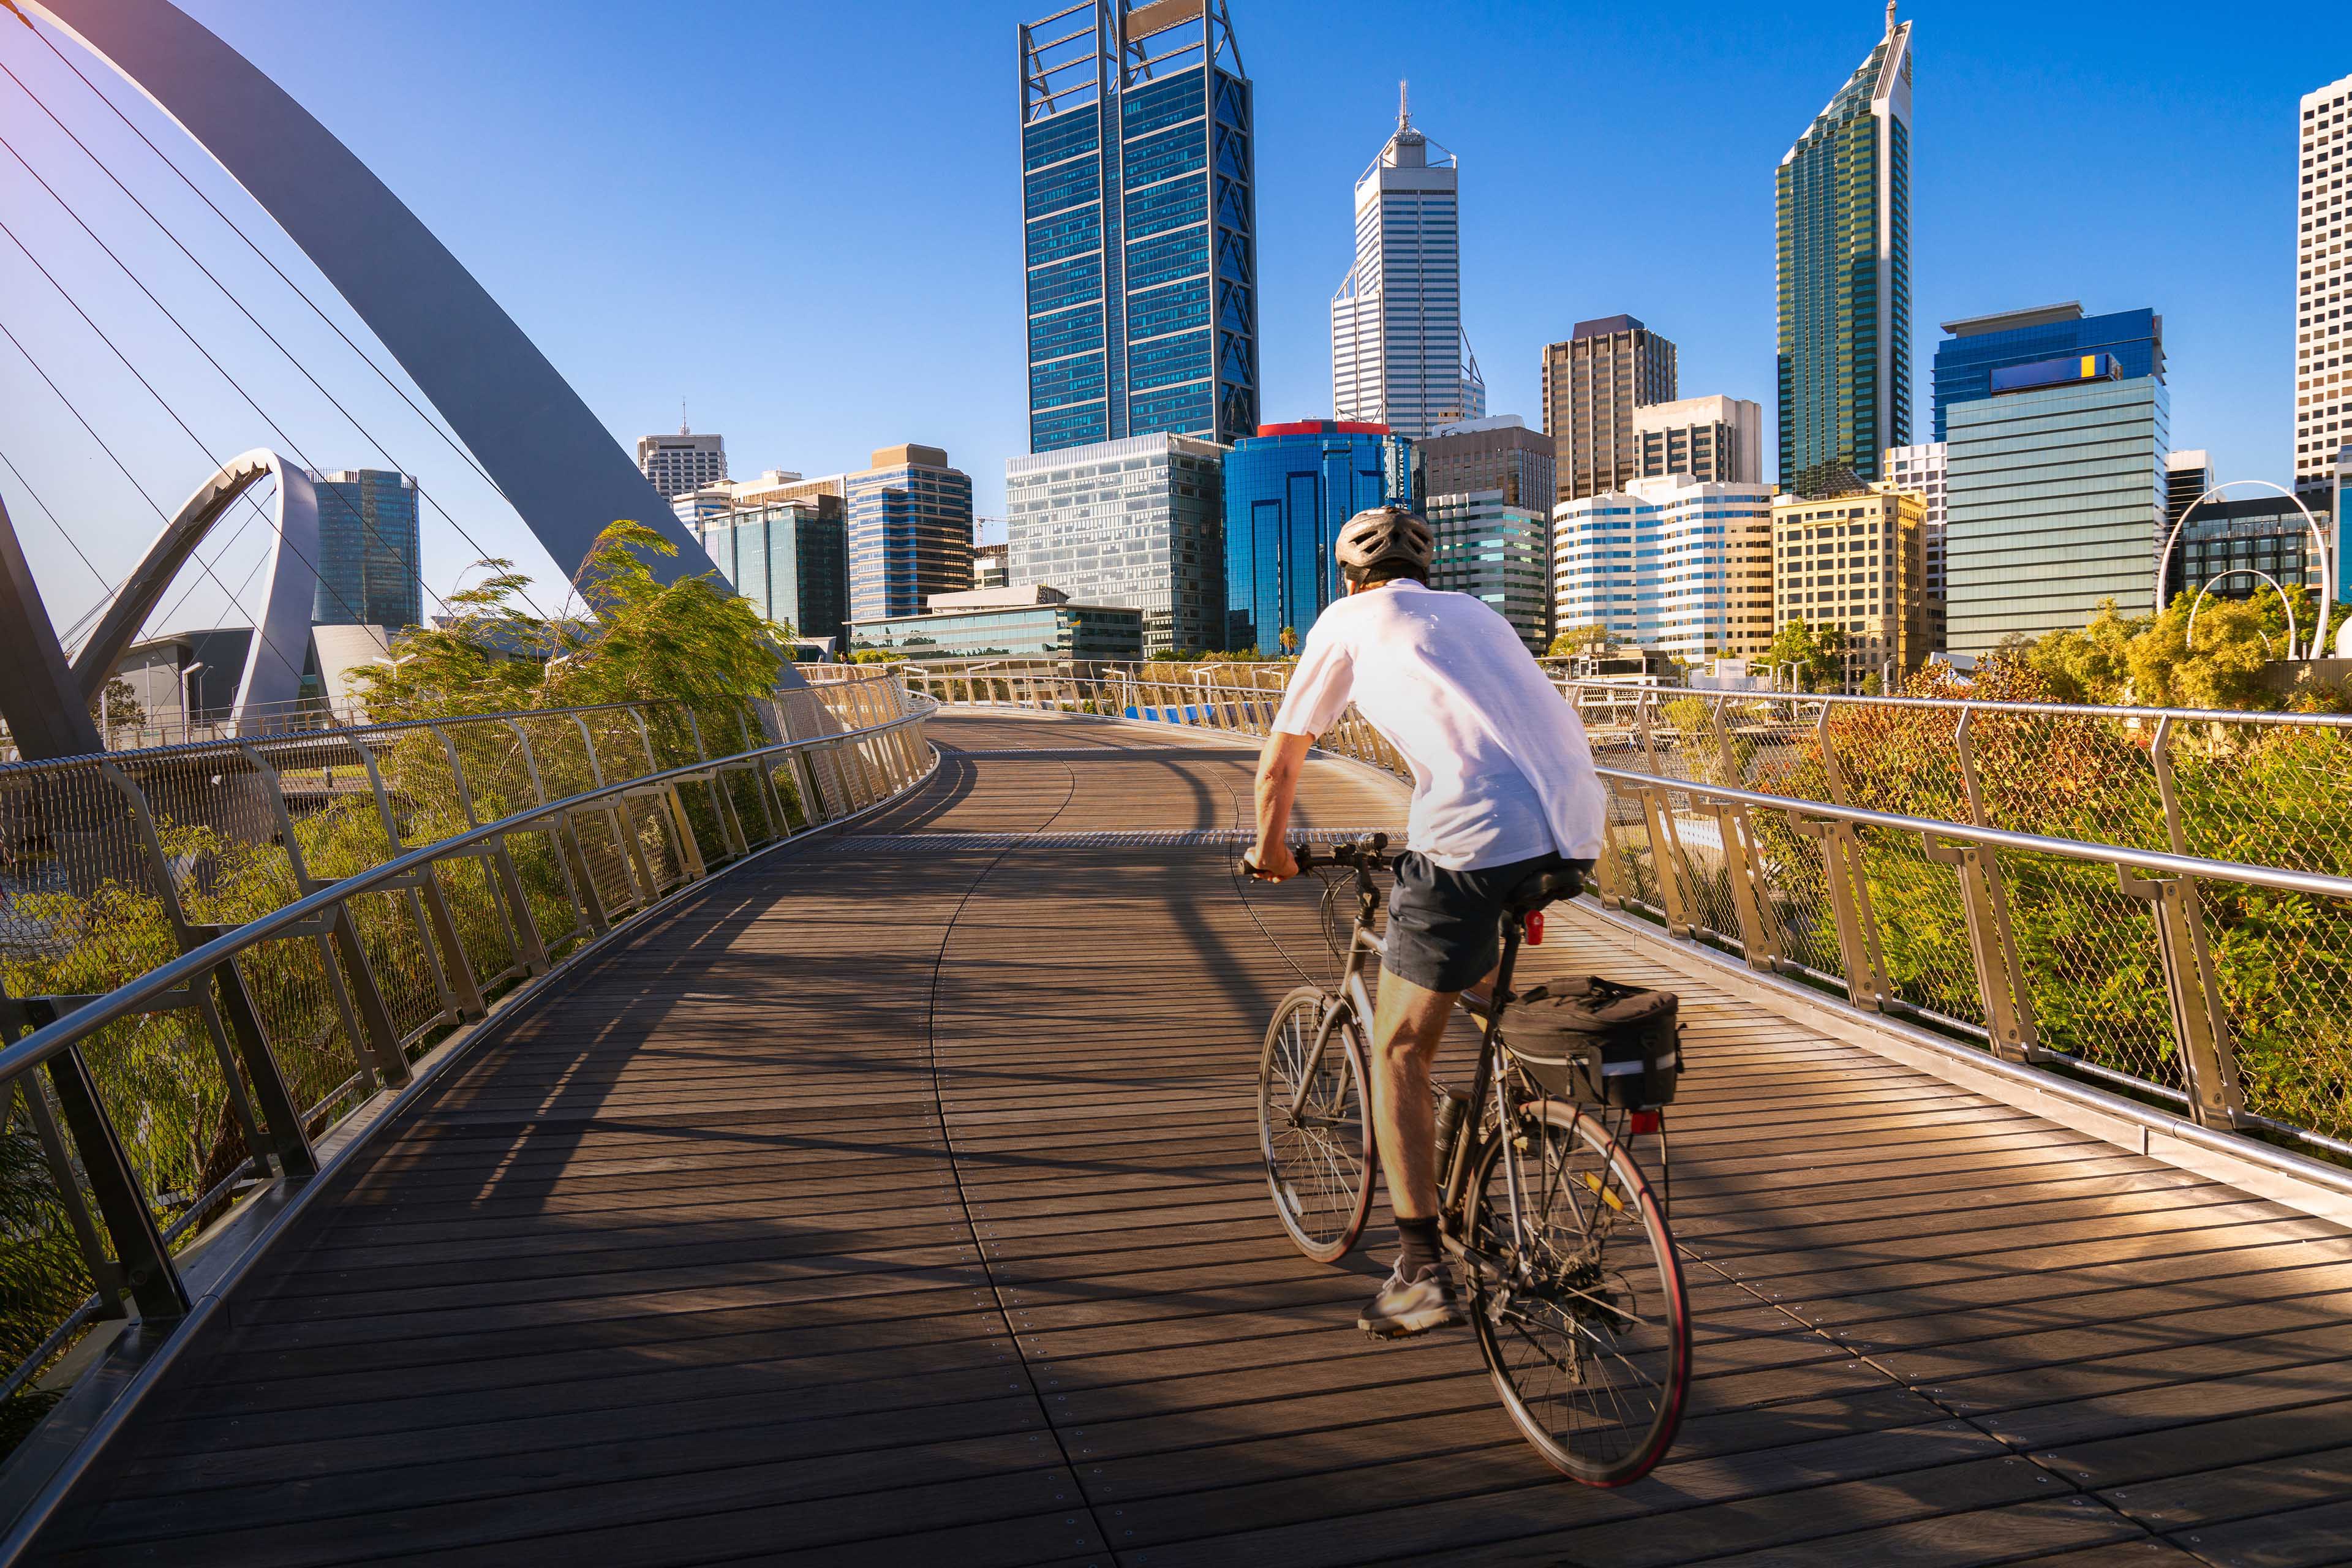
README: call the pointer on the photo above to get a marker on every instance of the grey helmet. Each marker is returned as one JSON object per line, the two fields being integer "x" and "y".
{"x": 1384, "y": 534}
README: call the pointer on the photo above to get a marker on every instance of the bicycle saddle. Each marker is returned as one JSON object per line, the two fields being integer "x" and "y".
{"x": 1549, "y": 888}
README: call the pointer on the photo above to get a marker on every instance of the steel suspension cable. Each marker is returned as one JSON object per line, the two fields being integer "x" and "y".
{"x": 275, "y": 428}
{"x": 136, "y": 485}
{"x": 431, "y": 423}
{"x": 69, "y": 538}
{"x": 165, "y": 404}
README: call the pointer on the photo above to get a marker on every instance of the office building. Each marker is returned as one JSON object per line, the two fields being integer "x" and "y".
{"x": 1399, "y": 354}
{"x": 1498, "y": 552}
{"x": 2055, "y": 500}
{"x": 1921, "y": 471}
{"x": 2229, "y": 541}
{"x": 909, "y": 527}
{"x": 2322, "y": 289}
{"x": 1288, "y": 490}
{"x": 1843, "y": 202}
{"x": 1719, "y": 440}
{"x": 1857, "y": 562}
{"x": 2186, "y": 476}
{"x": 1137, "y": 522}
{"x": 697, "y": 508}
{"x": 1591, "y": 385}
{"x": 791, "y": 558}
{"x": 1670, "y": 565}
{"x": 1499, "y": 453}
{"x": 992, "y": 566}
{"x": 1138, "y": 187}
{"x": 1033, "y": 622}
{"x": 686, "y": 462}
{"x": 371, "y": 571}
{"x": 1982, "y": 347}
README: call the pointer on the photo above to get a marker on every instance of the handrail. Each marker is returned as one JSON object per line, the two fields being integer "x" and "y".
{"x": 45, "y": 1043}
{"x": 2311, "y": 882}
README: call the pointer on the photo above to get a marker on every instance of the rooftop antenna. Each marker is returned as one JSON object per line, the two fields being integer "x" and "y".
{"x": 683, "y": 428}
{"x": 1890, "y": 18}
{"x": 1404, "y": 104}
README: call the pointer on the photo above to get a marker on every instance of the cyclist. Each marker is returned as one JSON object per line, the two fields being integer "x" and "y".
{"x": 1504, "y": 791}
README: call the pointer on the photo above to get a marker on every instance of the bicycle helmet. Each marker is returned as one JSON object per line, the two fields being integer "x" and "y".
{"x": 1380, "y": 535}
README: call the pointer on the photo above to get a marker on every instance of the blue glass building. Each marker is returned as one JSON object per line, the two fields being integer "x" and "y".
{"x": 1289, "y": 490}
{"x": 789, "y": 558}
{"x": 1138, "y": 187}
{"x": 909, "y": 531}
{"x": 370, "y": 568}
{"x": 1966, "y": 361}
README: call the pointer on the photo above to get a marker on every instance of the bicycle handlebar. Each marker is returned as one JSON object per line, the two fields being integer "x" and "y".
{"x": 1355, "y": 852}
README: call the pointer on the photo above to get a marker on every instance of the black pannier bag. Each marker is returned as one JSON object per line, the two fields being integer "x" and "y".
{"x": 1629, "y": 1034}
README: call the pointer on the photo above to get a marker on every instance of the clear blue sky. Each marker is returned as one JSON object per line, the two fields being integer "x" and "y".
{"x": 804, "y": 218}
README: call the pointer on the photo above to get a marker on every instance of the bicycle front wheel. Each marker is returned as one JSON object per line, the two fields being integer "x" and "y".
{"x": 1578, "y": 1306}
{"x": 1314, "y": 1126}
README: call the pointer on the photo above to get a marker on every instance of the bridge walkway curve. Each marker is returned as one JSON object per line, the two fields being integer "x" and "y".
{"x": 895, "y": 1200}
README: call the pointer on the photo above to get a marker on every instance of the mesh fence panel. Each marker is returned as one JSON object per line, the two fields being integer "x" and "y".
{"x": 2282, "y": 964}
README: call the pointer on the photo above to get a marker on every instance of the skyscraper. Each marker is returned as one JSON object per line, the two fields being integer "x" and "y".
{"x": 684, "y": 462}
{"x": 1288, "y": 490}
{"x": 1922, "y": 470}
{"x": 1591, "y": 385}
{"x": 789, "y": 558}
{"x": 1668, "y": 565}
{"x": 909, "y": 531}
{"x": 1719, "y": 440}
{"x": 1137, "y": 183}
{"x": 1982, "y": 346}
{"x": 1487, "y": 486}
{"x": 1137, "y": 523}
{"x": 1399, "y": 354}
{"x": 1844, "y": 239}
{"x": 1857, "y": 562}
{"x": 370, "y": 568}
{"x": 2322, "y": 349}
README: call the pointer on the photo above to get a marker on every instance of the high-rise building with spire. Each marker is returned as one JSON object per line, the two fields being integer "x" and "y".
{"x": 1844, "y": 223}
{"x": 1398, "y": 355}
{"x": 1138, "y": 190}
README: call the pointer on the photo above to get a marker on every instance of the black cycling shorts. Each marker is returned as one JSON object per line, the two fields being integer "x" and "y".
{"x": 1446, "y": 927}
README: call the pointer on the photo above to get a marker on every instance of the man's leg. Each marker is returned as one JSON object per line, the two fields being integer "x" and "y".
{"x": 1407, "y": 1023}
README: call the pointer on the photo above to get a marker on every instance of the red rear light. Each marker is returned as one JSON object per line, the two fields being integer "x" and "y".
{"x": 1642, "y": 1121}
{"x": 1535, "y": 928}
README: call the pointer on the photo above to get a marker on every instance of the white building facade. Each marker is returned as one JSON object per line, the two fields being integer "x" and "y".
{"x": 2323, "y": 269}
{"x": 1399, "y": 354}
{"x": 1920, "y": 469}
{"x": 1137, "y": 522}
{"x": 1670, "y": 564}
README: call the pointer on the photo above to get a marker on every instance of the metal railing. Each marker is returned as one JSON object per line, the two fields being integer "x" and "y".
{"x": 1902, "y": 852}
{"x": 222, "y": 952}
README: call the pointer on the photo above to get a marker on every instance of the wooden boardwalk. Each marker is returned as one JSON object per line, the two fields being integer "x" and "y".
{"x": 894, "y": 1202}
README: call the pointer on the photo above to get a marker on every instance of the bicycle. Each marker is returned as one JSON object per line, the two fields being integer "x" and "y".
{"x": 1569, "y": 1273}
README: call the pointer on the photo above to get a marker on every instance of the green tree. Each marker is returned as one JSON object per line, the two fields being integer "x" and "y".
{"x": 1595, "y": 637}
{"x": 1818, "y": 654}
{"x": 1289, "y": 640}
{"x": 118, "y": 708}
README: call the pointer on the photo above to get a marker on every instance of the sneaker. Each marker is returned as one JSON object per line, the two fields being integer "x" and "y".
{"x": 1413, "y": 1304}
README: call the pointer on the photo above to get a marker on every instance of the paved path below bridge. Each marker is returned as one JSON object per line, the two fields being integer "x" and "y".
{"x": 894, "y": 1201}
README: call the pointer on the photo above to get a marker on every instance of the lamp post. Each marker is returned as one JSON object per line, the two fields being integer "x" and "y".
{"x": 2318, "y": 534}
{"x": 187, "y": 707}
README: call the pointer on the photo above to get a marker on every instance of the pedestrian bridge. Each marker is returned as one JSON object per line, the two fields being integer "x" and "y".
{"x": 892, "y": 1196}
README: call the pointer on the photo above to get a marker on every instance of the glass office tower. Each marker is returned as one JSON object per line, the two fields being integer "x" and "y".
{"x": 1844, "y": 263}
{"x": 1137, "y": 522}
{"x": 2053, "y": 500}
{"x": 909, "y": 531}
{"x": 1966, "y": 361}
{"x": 789, "y": 558}
{"x": 1288, "y": 490}
{"x": 370, "y": 568}
{"x": 1137, "y": 183}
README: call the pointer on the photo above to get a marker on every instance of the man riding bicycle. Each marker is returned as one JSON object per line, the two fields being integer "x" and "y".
{"x": 1504, "y": 792}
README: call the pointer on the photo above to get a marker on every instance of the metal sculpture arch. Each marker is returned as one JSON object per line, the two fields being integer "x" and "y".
{"x": 550, "y": 457}
{"x": 272, "y": 681}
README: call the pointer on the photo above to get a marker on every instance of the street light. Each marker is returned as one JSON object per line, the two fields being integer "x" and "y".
{"x": 2318, "y": 534}
{"x": 187, "y": 708}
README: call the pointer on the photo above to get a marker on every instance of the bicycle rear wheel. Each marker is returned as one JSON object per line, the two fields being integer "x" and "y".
{"x": 1319, "y": 1160}
{"x": 1585, "y": 1327}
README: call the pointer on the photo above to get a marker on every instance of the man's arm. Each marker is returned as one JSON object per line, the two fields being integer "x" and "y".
{"x": 1279, "y": 767}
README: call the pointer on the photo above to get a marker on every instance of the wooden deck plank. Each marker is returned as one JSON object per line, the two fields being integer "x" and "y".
{"x": 900, "y": 1201}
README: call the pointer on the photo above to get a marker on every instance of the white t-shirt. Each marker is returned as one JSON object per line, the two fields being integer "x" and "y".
{"x": 1500, "y": 768}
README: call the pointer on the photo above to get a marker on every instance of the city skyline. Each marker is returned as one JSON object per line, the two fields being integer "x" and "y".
{"x": 1321, "y": 100}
